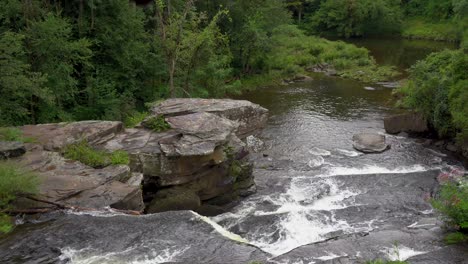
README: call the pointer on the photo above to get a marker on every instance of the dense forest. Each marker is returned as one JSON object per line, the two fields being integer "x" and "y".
{"x": 75, "y": 60}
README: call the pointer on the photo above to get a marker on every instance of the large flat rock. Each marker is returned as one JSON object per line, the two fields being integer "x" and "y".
{"x": 75, "y": 184}
{"x": 177, "y": 237}
{"x": 250, "y": 117}
{"x": 56, "y": 136}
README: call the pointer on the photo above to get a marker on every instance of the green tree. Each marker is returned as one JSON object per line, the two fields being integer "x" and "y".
{"x": 19, "y": 86}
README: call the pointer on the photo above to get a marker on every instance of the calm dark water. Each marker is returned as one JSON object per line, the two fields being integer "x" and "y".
{"x": 401, "y": 53}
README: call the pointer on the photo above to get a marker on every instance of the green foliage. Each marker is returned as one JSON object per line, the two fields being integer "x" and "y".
{"x": 157, "y": 124}
{"x": 13, "y": 134}
{"x": 453, "y": 203}
{"x": 119, "y": 157}
{"x": 85, "y": 154}
{"x": 420, "y": 28}
{"x": 348, "y": 18}
{"x": 13, "y": 181}
{"x": 293, "y": 52}
{"x": 134, "y": 119}
{"x": 456, "y": 238}
{"x": 437, "y": 89}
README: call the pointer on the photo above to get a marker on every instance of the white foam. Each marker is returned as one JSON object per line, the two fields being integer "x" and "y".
{"x": 417, "y": 225}
{"x": 89, "y": 256}
{"x": 401, "y": 253}
{"x": 319, "y": 152}
{"x": 221, "y": 230}
{"x": 374, "y": 169}
{"x": 316, "y": 162}
{"x": 105, "y": 212}
{"x": 329, "y": 257}
{"x": 348, "y": 153}
{"x": 302, "y": 221}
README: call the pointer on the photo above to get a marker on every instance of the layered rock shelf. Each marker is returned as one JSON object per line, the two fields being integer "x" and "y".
{"x": 200, "y": 163}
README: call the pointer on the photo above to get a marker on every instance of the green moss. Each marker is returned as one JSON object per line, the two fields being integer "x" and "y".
{"x": 85, "y": 154}
{"x": 456, "y": 238}
{"x": 13, "y": 181}
{"x": 157, "y": 124}
{"x": 135, "y": 119}
{"x": 14, "y": 134}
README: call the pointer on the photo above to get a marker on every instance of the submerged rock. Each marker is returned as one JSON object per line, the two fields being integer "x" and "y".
{"x": 411, "y": 123}
{"x": 181, "y": 237}
{"x": 11, "y": 149}
{"x": 370, "y": 143}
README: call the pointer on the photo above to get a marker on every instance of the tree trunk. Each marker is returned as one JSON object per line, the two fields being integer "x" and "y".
{"x": 171, "y": 78}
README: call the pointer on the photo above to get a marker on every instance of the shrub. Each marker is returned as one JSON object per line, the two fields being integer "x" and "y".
{"x": 157, "y": 124}
{"x": 85, "y": 154}
{"x": 13, "y": 181}
{"x": 437, "y": 89}
{"x": 453, "y": 203}
{"x": 134, "y": 119}
{"x": 456, "y": 238}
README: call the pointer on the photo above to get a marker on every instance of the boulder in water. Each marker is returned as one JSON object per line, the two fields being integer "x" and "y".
{"x": 370, "y": 143}
{"x": 411, "y": 123}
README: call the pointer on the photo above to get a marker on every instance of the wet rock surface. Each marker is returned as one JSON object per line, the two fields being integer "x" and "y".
{"x": 370, "y": 142}
{"x": 410, "y": 122}
{"x": 181, "y": 237}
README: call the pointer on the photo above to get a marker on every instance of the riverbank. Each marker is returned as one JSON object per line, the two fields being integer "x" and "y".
{"x": 419, "y": 28}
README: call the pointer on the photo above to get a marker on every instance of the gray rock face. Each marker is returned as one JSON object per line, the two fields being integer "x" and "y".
{"x": 75, "y": 184}
{"x": 56, "y": 136}
{"x": 411, "y": 123}
{"x": 11, "y": 149}
{"x": 177, "y": 237}
{"x": 199, "y": 158}
{"x": 370, "y": 143}
{"x": 249, "y": 117}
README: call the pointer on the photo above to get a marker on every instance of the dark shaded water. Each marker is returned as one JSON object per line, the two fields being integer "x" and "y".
{"x": 401, "y": 53}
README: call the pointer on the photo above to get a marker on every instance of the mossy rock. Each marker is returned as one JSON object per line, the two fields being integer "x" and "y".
{"x": 174, "y": 199}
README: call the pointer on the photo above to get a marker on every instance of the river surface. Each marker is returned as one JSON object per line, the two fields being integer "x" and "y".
{"x": 318, "y": 200}
{"x": 312, "y": 184}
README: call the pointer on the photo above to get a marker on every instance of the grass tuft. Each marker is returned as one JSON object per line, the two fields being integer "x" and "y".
{"x": 157, "y": 124}
{"x": 13, "y": 181}
{"x": 85, "y": 154}
{"x": 14, "y": 134}
{"x": 135, "y": 119}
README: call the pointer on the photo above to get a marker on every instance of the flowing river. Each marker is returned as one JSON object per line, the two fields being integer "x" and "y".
{"x": 318, "y": 200}
{"x": 312, "y": 185}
